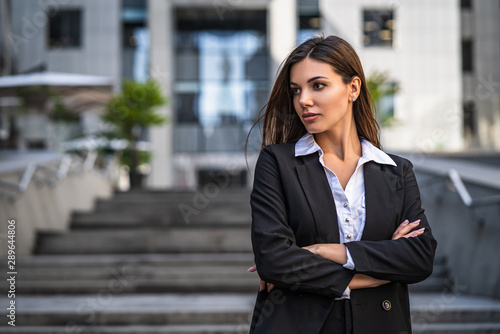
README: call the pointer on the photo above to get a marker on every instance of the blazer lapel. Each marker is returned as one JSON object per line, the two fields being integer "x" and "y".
{"x": 315, "y": 185}
{"x": 380, "y": 201}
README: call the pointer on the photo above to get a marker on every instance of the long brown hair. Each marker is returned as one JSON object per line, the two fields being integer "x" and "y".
{"x": 280, "y": 121}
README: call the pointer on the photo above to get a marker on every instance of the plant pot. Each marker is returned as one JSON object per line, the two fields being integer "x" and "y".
{"x": 136, "y": 180}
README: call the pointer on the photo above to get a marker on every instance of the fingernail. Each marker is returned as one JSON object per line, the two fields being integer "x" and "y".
{"x": 250, "y": 269}
{"x": 406, "y": 222}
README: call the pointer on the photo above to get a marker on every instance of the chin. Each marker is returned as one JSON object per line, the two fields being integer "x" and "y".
{"x": 314, "y": 130}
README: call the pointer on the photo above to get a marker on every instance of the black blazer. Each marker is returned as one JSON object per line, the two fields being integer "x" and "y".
{"x": 293, "y": 206}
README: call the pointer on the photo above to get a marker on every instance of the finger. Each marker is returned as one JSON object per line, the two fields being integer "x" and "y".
{"x": 419, "y": 232}
{"x": 400, "y": 227}
{"x": 270, "y": 286}
{"x": 252, "y": 269}
{"x": 414, "y": 233}
{"x": 262, "y": 286}
{"x": 408, "y": 227}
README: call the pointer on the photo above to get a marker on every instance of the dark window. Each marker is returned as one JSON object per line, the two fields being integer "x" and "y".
{"x": 309, "y": 19}
{"x": 65, "y": 29}
{"x": 309, "y": 26}
{"x": 135, "y": 40}
{"x": 378, "y": 27}
{"x": 466, "y": 4}
{"x": 469, "y": 119}
{"x": 467, "y": 57}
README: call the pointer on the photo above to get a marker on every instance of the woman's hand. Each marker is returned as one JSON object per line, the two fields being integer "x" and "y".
{"x": 263, "y": 284}
{"x": 360, "y": 281}
{"x": 333, "y": 252}
{"x": 405, "y": 230}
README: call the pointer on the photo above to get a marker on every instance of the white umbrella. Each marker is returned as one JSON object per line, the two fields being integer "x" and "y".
{"x": 79, "y": 91}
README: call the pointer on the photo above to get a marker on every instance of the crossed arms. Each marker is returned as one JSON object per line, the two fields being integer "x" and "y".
{"x": 317, "y": 268}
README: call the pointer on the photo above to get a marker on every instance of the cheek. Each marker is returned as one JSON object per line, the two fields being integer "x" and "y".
{"x": 336, "y": 99}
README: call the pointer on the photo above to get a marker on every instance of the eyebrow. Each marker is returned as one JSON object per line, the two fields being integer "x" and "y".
{"x": 308, "y": 81}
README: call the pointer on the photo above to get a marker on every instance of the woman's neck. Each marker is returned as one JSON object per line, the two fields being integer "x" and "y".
{"x": 342, "y": 142}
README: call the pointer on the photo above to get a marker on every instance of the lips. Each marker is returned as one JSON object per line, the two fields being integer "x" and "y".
{"x": 309, "y": 117}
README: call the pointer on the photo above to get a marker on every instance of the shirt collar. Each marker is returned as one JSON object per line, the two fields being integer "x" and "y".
{"x": 307, "y": 145}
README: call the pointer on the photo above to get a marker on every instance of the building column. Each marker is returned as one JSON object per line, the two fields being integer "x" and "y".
{"x": 282, "y": 31}
{"x": 160, "y": 23}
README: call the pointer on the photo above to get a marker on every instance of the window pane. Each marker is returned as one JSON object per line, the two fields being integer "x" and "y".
{"x": 378, "y": 27}
{"x": 186, "y": 107}
{"x": 467, "y": 56}
{"x": 221, "y": 75}
{"x": 65, "y": 29}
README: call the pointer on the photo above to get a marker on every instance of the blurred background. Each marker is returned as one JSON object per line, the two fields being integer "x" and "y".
{"x": 123, "y": 126}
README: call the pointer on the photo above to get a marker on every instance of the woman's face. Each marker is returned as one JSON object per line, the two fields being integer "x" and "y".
{"x": 320, "y": 98}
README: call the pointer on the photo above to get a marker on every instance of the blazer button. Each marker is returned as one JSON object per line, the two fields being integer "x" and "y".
{"x": 386, "y": 305}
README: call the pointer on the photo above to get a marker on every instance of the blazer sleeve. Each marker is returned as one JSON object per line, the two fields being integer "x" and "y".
{"x": 278, "y": 258}
{"x": 407, "y": 260}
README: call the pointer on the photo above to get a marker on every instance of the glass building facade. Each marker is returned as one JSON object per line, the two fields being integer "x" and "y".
{"x": 221, "y": 78}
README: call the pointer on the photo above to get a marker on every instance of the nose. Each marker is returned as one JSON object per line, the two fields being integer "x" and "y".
{"x": 305, "y": 99}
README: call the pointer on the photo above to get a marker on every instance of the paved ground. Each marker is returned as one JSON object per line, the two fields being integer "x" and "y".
{"x": 217, "y": 302}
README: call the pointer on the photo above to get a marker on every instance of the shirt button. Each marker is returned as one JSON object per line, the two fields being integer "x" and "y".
{"x": 345, "y": 205}
{"x": 349, "y": 236}
{"x": 347, "y": 219}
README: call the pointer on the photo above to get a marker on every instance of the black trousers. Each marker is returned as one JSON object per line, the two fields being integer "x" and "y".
{"x": 339, "y": 320}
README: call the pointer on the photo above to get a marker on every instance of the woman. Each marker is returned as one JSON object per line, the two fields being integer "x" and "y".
{"x": 331, "y": 212}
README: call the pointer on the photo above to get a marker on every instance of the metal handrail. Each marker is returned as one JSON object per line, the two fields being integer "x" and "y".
{"x": 464, "y": 194}
{"x": 63, "y": 169}
{"x": 466, "y": 197}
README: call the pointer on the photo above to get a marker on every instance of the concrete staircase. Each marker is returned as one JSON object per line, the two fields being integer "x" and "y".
{"x": 175, "y": 262}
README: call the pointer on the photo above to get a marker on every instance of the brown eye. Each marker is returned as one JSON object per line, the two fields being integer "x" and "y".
{"x": 295, "y": 91}
{"x": 318, "y": 85}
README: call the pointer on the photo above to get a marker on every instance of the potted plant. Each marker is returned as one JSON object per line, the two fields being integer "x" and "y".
{"x": 380, "y": 86}
{"x": 128, "y": 113}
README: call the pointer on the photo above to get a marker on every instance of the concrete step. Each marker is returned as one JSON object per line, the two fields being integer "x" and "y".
{"x": 138, "y": 285}
{"x": 164, "y": 206}
{"x": 134, "y": 329}
{"x": 178, "y": 200}
{"x": 97, "y": 220}
{"x": 203, "y": 272}
{"x": 176, "y": 239}
{"x": 453, "y": 307}
{"x": 117, "y": 260}
{"x": 210, "y": 194}
{"x": 120, "y": 309}
{"x": 136, "y": 273}
{"x": 229, "y": 329}
{"x": 431, "y": 313}
{"x": 457, "y": 328}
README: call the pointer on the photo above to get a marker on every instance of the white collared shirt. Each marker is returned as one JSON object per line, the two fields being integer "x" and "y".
{"x": 349, "y": 204}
